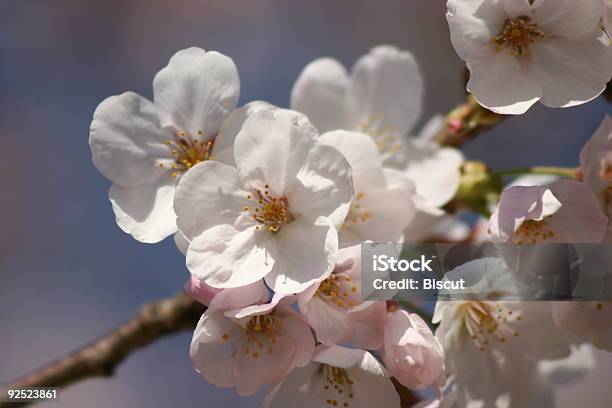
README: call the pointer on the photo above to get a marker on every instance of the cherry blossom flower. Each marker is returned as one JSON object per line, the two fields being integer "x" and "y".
{"x": 145, "y": 147}
{"x": 275, "y": 216}
{"x": 383, "y": 204}
{"x": 252, "y": 346}
{"x": 411, "y": 353}
{"x": 382, "y": 96}
{"x": 334, "y": 309}
{"x": 520, "y": 52}
{"x": 495, "y": 338}
{"x": 336, "y": 377}
{"x": 563, "y": 211}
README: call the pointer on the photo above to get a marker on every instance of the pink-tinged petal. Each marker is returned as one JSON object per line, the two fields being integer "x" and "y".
{"x": 200, "y": 291}
{"x": 503, "y": 83}
{"x": 332, "y": 326}
{"x": 360, "y": 152}
{"x": 272, "y": 147}
{"x": 146, "y": 211}
{"x": 196, "y": 91}
{"x": 296, "y": 328}
{"x": 580, "y": 218}
{"x": 368, "y": 321}
{"x": 323, "y": 186}
{"x": 473, "y": 24}
{"x": 590, "y": 321}
{"x": 209, "y": 194}
{"x": 242, "y": 316}
{"x": 596, "y": 158}
{"x": 236, "y": 298}
{"x": 571, "y": 72}
{"x": 260, "y": 366}
{"x": 319, "y": 92}
{"x": 411, "y": 352}
{"x": 126, "y": 140}
{"x": 212, "y": 348}
{"x": 223, "y": 148}
{"x": 225, "y": 257}
{"x": 521, "y": 203}
{"x": 386, "y": 83}
{"x": 568, "y": 19}
{"x": 303, "y": 239}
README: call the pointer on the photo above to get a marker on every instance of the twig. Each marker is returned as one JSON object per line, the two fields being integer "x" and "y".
{"x": 100, "y": 359}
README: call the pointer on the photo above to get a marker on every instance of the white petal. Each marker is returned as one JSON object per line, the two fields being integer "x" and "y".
{"x": 571, "y": 72}
{"x": 435, "y": 171}
{"x": 390, "y": 207}
{"x": 126, "y": 140}
{"x": 272, "y": 147}
{"x": 295, "y": 327}
{"x": 386, "y": 83}
{"x": 241, "y": 297}
{"x": 145, "y": 212}
{"x": 319, "y": 92}
{"x": 209, "y": 194}
{"x": 210, "y": 353}
{"x": 323, "y": 187}
{"x": 503, "y": 83}
{"x": 196, "y": 91}
{"x": 360, "y": 152}
{"x": 568, "y": 19}
{"x": 223, "y": 149}
{"x": 225, "y": 257}
{"x": 473, "y": 24}
{"x": 303, "y": 239}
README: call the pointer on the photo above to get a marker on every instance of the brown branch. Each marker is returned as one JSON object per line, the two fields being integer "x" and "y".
{"x": 100, "y": 359}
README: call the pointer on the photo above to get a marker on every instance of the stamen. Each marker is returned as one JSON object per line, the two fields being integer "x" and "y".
{"x": 272, "y": 212}
{"x": 517, "y": 34}
{"x": 487, "y": 321}
{"x": 357, "y": 213}
{"x": 532, "y": 232}
{"x": 337, "y": 386}
{"x": 188, "y": 151}
{"x": 260, "y": 334}
{"x": 387, "y": 138}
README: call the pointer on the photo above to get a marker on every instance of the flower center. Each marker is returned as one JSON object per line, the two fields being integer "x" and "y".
{"x": 271, "y": 212}
{"x": 386, "y": 137}
{"x": 357, "y": 213}
{"x": 260, "y": 334}
{"x": 605, "y": 171}
{"x": 517, "y": 34}
{"x": 486, "y": 321}
{"x": 532, "y": 232}
{"x": 338, "y": 289}
{"x": 188, "y": 151}
{"x": 337, "y": 386}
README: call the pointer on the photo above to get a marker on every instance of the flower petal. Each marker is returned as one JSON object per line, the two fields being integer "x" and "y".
{"x": 209, "y": 194}
{"x": 360, "y": 152}
{"x": 272, "y": 147}
{"x": 386, "y": 83}
{"x": 503, "y": 83}
{"x": 225, "y": 257}
{"x": 319, "y": 92}
{"x": 196, "y": 91}
{"x": 210, "y": 353}
{"x": 303, "y": 239}
{"x": 145, "y": 212}
{"x": 126, "y": 140}
{"x": 323, "y": 187}
{"x": 473, "y": 24}
{"x": 568, "y": 19}
{"x": 571, "y": 72}
{"x": 223, "y": 149}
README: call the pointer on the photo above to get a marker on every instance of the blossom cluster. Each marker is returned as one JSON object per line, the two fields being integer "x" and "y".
{"x": 269, "y": 205}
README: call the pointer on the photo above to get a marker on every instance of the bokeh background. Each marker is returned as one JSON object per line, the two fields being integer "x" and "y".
{"x": 68, "y": 274}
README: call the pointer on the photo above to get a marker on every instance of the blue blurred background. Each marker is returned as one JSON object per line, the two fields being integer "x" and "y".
{"x": 68, "y": 274}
